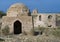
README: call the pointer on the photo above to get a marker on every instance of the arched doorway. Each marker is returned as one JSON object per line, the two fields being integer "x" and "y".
{"x": 17, "y": 27}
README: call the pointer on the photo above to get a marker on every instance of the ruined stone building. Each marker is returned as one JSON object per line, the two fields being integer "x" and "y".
{"x": 50, "y": 20}
{"x": 19, "y": 20}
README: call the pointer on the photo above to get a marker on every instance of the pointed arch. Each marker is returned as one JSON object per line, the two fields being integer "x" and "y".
{"x": 17, "y": 27}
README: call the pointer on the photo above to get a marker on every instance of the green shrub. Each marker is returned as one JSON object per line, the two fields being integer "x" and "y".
{"x": 56, "y": 32}
{"x": 5, "y": 31}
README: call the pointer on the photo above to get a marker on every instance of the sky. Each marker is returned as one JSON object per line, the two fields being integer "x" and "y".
{"x": 43, "y": 6}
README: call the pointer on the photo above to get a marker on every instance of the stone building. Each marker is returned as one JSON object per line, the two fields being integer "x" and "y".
{"x": 50, "y": 20}
{"x": 19, "y": 20}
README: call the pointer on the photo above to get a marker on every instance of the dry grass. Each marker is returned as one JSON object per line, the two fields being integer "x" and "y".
{"x": 39, "y": 38}
{"x": 50, "y": 35}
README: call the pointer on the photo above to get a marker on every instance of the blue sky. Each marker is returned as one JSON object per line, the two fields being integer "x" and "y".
{"x": 43, "y": 6}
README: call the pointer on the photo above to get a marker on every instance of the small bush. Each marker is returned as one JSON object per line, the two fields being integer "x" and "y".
{"x": 5, "y": 31}
{"x": 56, "y": 32}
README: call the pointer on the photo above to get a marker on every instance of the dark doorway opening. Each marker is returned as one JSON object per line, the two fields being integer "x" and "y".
{"x": 17, "y": 27}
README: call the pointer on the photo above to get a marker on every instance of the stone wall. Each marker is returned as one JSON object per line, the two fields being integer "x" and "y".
{"x": 47, "y": 20}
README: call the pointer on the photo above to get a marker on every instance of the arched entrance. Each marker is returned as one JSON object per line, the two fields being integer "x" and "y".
{"x": 17, "y": 27}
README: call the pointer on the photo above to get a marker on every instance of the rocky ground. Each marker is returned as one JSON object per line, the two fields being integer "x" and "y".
{"x": 27, "y": 38}
{"x": 49, "y": 35}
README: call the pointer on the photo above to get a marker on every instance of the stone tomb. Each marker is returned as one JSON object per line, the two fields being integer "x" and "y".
{"x": 17, "y": 19}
